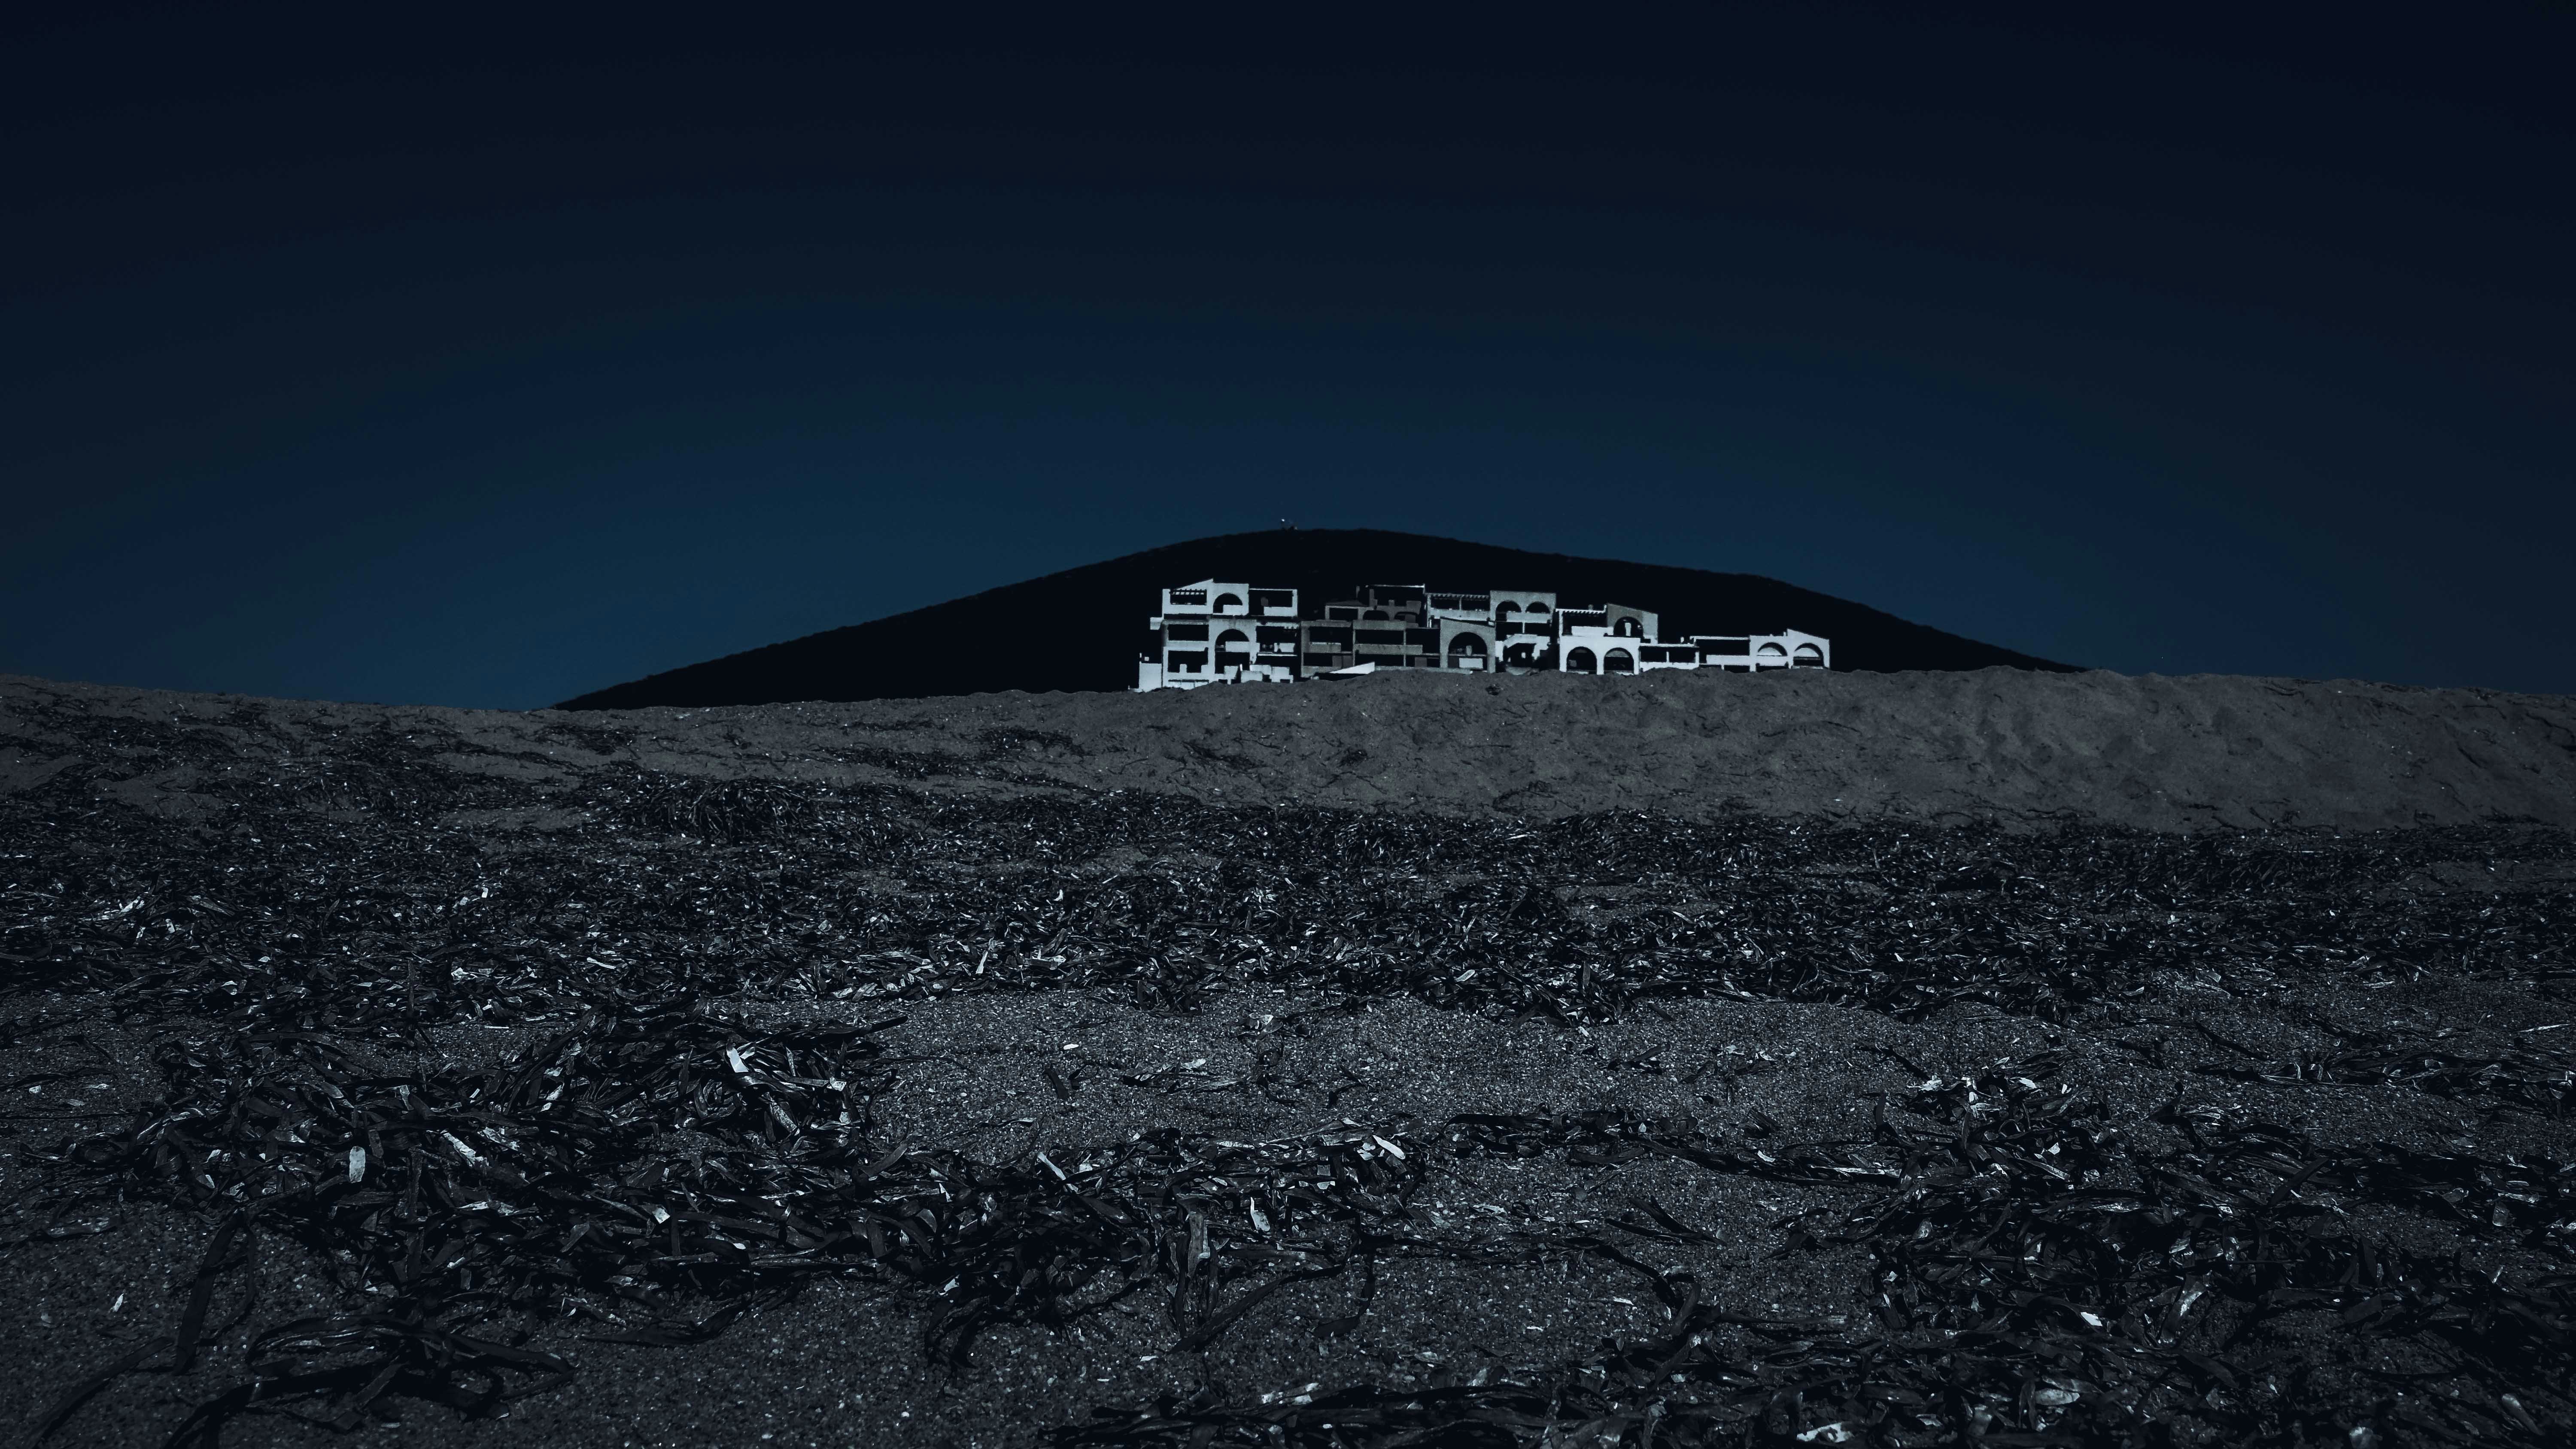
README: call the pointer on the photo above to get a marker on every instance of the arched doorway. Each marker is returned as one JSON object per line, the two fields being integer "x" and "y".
{"x": 1227, "y": 601}
{"x": 1579, "y": 661}
{"x": 1629, "y": 629}
{"x": 1619, "y": 661}
{"x": 1467, "y": 651}
{"x": 1809, "y": 657}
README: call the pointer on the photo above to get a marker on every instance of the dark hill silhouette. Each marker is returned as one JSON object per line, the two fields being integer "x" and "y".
{"x": 888, "y": 658}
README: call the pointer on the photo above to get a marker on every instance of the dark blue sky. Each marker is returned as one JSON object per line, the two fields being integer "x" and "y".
{"x": 485, "y": 363}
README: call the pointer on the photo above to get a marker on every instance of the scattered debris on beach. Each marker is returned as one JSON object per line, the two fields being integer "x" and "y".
{"x": 703, "y": 990}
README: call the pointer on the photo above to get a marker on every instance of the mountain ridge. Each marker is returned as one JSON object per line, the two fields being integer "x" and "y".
{"x": 879, "y": 659}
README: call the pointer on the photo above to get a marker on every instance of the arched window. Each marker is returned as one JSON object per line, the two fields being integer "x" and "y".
{"x": 1810, "y": 657}
{"x": 1373, "y": 613}
{"x": 1618, "y": 661}
{"x": 1628, "y": 629}
{"x": 1227, "y": 601}
{"x": 1538, "y": 606}
{"x": 1233, "y": 639}
{"x": 1579, "y": 661}
{"x": 1772, "y": 651}
{"x": 1466, "y": 647}
{"x": 1506, "y": 609}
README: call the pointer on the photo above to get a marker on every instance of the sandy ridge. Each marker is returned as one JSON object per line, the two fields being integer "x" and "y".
{"x": 2164, "y": 753}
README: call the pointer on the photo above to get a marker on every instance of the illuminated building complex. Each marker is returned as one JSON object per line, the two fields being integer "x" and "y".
{"x": 1213, "y": 632}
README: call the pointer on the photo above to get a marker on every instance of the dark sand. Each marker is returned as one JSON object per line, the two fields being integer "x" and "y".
{"x": 2072, "y": 846}
{"x": 2149, "y": 751}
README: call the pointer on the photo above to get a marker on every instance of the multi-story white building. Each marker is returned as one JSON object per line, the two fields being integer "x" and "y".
{"x": 1213, "y": 632}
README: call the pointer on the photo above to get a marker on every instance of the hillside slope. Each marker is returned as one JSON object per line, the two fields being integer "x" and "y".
{"x": 976, "y": 640}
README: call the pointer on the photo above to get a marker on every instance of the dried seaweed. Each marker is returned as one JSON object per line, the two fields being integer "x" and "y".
{"x": 635, "y": 1169}
{"x": 2044, "y": 1265}
{"x": 2039, "y": 1276}
{"x": 2535, "y": 1080}
{"x": 744, "y": 885}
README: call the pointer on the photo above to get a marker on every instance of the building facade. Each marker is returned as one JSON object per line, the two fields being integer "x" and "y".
{"x": 1215, "y": 632}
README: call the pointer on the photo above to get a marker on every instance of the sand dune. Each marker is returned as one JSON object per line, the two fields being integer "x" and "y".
{"x": 2149, "y": 751}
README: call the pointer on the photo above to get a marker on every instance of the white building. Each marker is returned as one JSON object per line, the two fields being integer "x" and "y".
{"x": 1214, "y": 632}
{"x": 1745, "y": 653}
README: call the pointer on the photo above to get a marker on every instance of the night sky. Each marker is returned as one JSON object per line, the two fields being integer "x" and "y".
{"x": 480, "y": 360}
